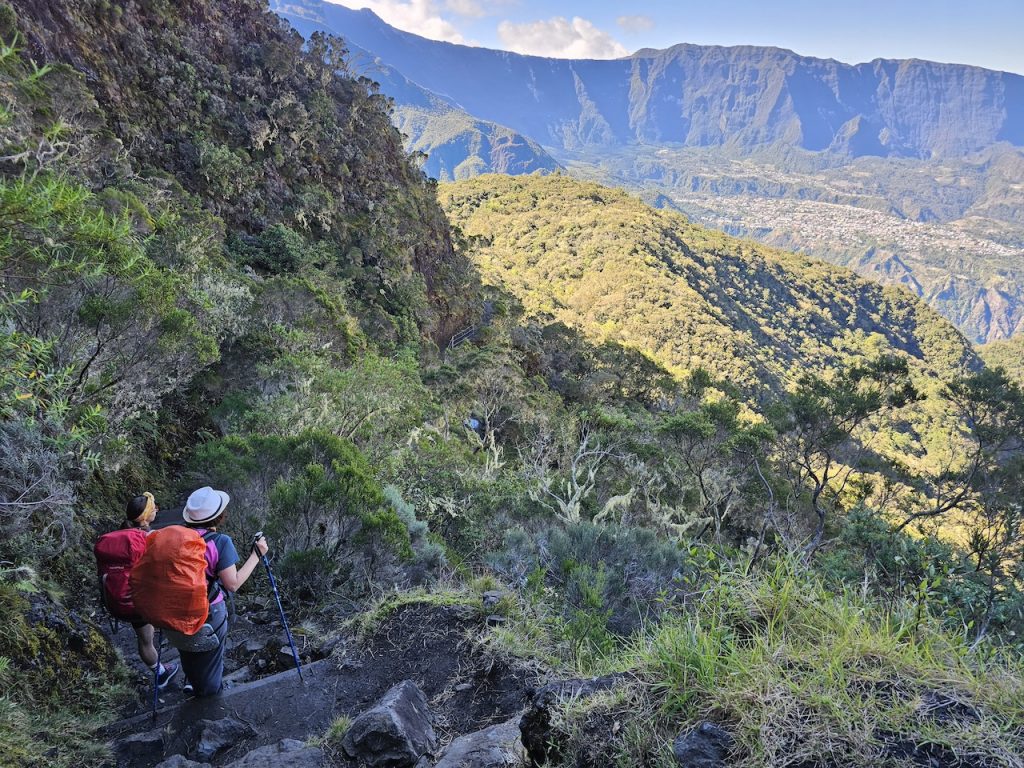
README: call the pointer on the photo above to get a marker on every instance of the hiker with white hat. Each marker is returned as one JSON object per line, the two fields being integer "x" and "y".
{"x": 202, "y": 655}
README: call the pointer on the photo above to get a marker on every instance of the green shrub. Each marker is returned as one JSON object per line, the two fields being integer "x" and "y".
{"x": 636, "y": 575}
{"x": 315, "y": 496}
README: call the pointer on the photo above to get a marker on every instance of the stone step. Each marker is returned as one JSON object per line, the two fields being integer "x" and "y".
{"x": 275, "y": 707}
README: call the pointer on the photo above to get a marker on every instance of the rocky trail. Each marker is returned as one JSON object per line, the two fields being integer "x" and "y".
{"x": 422, "y": 657}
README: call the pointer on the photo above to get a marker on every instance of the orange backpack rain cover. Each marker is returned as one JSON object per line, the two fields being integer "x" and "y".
{"x": 169, "y": 583}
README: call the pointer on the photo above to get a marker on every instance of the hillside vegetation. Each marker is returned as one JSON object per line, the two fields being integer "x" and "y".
{"x": 662, "y": 446}
{"x": 949, "y": 230}
{"x": 602, "y": 261}
{"x": 457, "y": 146}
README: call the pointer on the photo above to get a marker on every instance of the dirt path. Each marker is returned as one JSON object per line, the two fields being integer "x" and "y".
{"x": 429, "y": 644}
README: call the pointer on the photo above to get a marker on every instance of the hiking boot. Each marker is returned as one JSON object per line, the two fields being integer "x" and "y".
{"x": 170, "y": 670}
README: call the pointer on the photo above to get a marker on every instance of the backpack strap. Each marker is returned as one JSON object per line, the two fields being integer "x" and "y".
{"x": 214, "y": 588}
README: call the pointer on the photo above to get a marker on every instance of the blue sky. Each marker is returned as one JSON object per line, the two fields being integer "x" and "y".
{"x": 987, "y": 33}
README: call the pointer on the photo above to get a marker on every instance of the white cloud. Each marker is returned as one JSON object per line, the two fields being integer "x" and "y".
{"x": 560, "y": 38}
{"x": 421, "y": 17}
{"x": 471, "y": 8}
{"x": 635, "y": 23}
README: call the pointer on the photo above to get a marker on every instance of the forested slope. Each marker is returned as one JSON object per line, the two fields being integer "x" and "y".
{"x": 688, "y": 297}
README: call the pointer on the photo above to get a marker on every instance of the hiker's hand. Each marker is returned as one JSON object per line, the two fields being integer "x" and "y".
{"x": 261, "y": 546}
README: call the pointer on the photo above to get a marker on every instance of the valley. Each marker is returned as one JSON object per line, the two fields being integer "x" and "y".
{"x": 938, "y": 243}
{"x": 909, "y": 172}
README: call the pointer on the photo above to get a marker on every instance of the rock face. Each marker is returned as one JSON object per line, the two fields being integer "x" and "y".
{"x": 396, "y": 732}
{"x": 540, "y": 738}
{"x": 706, "y": 746}
{"x": 500, "y": 746}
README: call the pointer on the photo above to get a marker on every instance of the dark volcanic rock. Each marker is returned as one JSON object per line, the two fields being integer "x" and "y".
{"x": 287, "y": 753}
{"x": 140, "y": 748}
{"x": 218, "y": 735}
{"x": 396, "y": 732}
{"x": 706, "y": 746}
{"x": 500, "y": 746}
{"x": 180, "y": 761}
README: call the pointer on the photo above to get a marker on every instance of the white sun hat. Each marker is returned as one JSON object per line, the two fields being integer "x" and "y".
{"x": 204, "y": 505}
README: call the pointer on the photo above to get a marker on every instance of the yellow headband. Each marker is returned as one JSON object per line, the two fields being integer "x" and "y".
{"x": 147, "y": 515}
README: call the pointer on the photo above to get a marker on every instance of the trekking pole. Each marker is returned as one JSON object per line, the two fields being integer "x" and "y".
{"x": 280, "y": 608}
{"x": 156, "y": 672}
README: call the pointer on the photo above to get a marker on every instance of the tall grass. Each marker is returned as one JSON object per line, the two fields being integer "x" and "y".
{"x": 804, "y": 676}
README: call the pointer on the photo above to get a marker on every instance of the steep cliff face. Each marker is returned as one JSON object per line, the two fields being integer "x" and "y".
{"x": 456, "y": 145}
{"x": 222, "y": 97}
{"x": 696, "y": 95}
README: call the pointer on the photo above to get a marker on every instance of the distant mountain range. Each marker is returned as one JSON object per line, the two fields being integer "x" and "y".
{"x": 910, "y": 171}
{"x": 698, "y": 96}
{"x": 457, "y": 145}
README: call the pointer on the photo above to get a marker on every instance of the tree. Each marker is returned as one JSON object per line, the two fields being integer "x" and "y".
{"x": 985, "y": 480}
{"x": 989, "y": 407}
{"x": 562, "y": 464}
{"x": 818, "y": 449}
{"x": 716, "y": 450}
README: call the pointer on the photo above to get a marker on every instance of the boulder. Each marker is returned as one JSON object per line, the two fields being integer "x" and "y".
{"x": 705, "y": 746}
{"x": 540, "y": 737}
{"x": 140, "y": 748}
{"x": 396, "y": 732}
{"x": 287, "y": 753}
{"x": 217, "y": 735}
{"x": 500, "y": 746}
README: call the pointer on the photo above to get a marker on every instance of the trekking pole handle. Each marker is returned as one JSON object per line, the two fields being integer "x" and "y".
{"x": 256, "y": 537}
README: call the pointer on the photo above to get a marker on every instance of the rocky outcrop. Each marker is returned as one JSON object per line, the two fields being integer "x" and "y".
{"x": 396, "y": 732}
{"x": 500, "y": 746}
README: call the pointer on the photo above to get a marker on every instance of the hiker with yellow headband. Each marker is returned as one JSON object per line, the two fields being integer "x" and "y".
{"x": 116, "y": 554}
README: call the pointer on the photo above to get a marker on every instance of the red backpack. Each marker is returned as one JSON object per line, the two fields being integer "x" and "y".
{"x": 117, "y": 553}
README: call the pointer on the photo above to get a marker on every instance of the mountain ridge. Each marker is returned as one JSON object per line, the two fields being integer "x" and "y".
{"x": 870, "y": 108}
{"x": 601, "y": 261}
